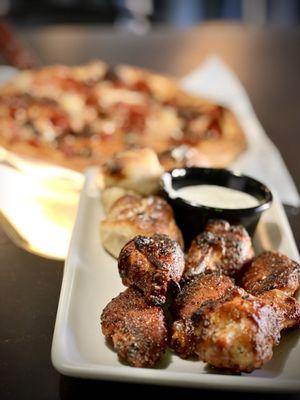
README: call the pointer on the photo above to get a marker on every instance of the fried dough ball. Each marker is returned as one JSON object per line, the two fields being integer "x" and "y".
{"x": 198, "y": 291}
{"x": 271, "y": 270}
{"x": 137, "y": 330}
{"x": 221, "y": 247}
{"x": 236, "y": 333}
{"x": 138, "y": 170}
{"x": 133, "y": 215}
{"x": 110, "y": 195}
{"x": 153, "y": 264}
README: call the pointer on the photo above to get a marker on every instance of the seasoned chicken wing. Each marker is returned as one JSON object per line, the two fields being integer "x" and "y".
{"x": 237, "y": 333}
{"x": 275, "y": 278}
{"x": 286, "y": 306}
{"x": 133, "y": 215}
{"x": 198, "y": 291}
{"x": 271, "y": 270}
{"x": 137, "y": 330}
{"x": 221, "y": 247}
{"x": 153, "y": 264}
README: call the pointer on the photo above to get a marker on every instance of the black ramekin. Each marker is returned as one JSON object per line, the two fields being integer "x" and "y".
{"x": 192, "y": 218}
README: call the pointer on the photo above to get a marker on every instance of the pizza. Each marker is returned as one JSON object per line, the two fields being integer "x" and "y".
{"x": 81, "y": 116}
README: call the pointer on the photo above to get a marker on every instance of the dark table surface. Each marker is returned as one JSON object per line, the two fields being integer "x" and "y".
{"x": 267, "y": 61}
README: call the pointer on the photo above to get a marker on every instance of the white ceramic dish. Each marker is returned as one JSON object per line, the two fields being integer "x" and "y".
{"x": 91, "y": 280}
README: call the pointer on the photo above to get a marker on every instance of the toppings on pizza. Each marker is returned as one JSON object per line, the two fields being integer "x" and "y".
{"x": 89, "y": 112}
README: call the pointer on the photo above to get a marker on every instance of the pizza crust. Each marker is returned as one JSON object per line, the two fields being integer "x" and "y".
{"x": 225, "y": 150}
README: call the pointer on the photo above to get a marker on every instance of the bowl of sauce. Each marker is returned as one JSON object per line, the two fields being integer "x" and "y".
{"x": 199, "y": 194}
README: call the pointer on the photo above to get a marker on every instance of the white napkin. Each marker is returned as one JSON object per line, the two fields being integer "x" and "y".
{"x": 262, "y": 160}
{"x": 38, "y": 201}
{"x": 39, "y": 211}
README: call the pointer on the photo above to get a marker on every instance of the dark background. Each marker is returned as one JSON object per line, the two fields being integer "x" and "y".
{"x": 173, "y": 12}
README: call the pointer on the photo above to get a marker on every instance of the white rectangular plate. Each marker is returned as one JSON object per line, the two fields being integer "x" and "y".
{"x": 91, "y": 280}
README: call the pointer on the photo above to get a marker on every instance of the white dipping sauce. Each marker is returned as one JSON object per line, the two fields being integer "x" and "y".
{"x": 216, "y": 196}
